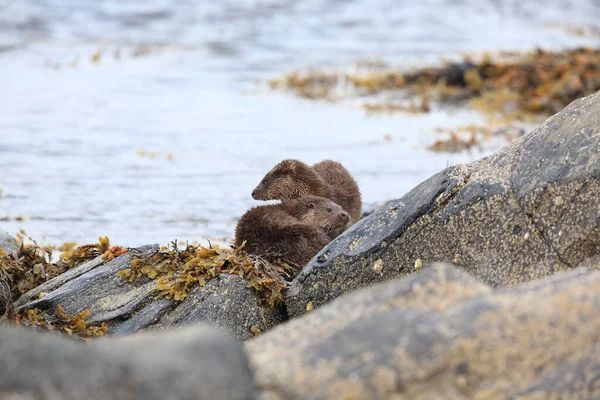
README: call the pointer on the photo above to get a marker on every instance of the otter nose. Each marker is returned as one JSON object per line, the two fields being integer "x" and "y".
{"x": 253, "y": 194}
{"x": 345, "y": 215}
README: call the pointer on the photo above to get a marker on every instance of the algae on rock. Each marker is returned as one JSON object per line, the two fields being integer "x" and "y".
{"x": 121, "y": 294}
{"x": 177, "y": 271}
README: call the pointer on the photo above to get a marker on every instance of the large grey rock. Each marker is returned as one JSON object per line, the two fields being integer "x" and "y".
{"x": 197, "y": 362}
{"x": 130, "y": 307}
{"x": 440, "y": 334}
{"x": 528, "y": 211}
{"x": 8, "y": 243}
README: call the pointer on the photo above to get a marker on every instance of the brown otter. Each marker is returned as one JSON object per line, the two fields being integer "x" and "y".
{"x": 294, "y": 230}
{"x": 292, "y": 179}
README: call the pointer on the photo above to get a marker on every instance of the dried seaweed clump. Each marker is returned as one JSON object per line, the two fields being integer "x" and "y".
{"x": 61, "y": 322}
{"x": 177, "y": 271}
{"x": 78, "y": 255}
{"x": 515, "y": 86}
{"x": 33, "y": 264}
{"x": 9, "y": 268}
{"x": 467, "y": 137}
{"x": 31, "y": 267}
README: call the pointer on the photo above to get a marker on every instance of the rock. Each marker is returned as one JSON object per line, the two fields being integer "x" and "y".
{"x": 530, "y": 210}
{"x": 130, "y": 307}
{"x": 6, "y": 304}
{"x": 197, "y": 362}
{"x": 55, "y": 283}
{"x": 372, "y": 209}
{"x": 440, "y": 334}
{"x": 225, "y": 302}
{"x": 8, "y": 243}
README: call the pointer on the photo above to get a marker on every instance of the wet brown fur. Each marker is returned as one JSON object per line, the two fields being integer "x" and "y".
{"x": 293, "y": 179}
{"x": 294, "y": 230}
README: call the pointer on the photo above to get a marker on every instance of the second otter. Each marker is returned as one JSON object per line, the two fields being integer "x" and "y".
{"x": 293, "y": 179}
{"x": 294, "y": 230}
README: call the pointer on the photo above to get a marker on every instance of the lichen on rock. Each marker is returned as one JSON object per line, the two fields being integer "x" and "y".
{"x": 530, "y": 210}
{"x": 440, "y": 334}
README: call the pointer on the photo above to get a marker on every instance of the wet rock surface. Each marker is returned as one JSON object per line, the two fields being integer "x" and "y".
{"x": 440, "y": 334}
{"x": 130, "y": 307}
{"x": 8, "y": 243}
{"x": 6, "y": 303}
{"x": 197, "y": 362}
{"x": 530, "y": 210}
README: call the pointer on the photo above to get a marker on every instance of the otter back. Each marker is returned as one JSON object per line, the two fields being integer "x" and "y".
{"x": 343, "y": 189}
{"x": 294, "y": 230}
{"x": 270, "y": 232}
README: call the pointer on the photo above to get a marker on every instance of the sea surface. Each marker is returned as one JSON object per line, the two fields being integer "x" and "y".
{"x": 149, "y": 121}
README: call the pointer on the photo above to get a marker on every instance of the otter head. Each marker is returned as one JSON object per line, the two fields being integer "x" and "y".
{"x": 324, "y": 213}
{"x": 290, "y": 179}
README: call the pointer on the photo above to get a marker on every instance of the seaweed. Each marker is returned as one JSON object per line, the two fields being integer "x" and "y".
{"x": 9, "y": 268}
{"x": 513, "y": 86}
{"x": 33, "y": 264}
{"x": 114, "y": 252}
{"x": 576, "y": 30}
{"x": 178, "y": 271}
{"x": 467, "y": 137}
{"x": 61, "y": 322}
{"x": 7, "y": 218}
{"x": 84, "y": 253}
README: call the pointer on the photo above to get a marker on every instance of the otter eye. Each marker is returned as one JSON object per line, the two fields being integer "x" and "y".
{"x": 328, "y": 209}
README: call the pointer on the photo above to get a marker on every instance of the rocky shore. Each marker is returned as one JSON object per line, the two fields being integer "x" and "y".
{"x": 479, "y": 283}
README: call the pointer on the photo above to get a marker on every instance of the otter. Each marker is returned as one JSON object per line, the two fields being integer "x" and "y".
{"x": 293, "y": 179}
{"x": 294, "y": 230}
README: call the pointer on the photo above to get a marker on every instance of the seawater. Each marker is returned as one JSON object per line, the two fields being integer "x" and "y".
{"x": 168, "y": 145}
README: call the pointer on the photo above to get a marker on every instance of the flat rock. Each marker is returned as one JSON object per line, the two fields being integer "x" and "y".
{"x": 528, "y": 211}
{"x": 127, "y": 307}
{"x": 440, "y": 334}
{"x": 197, "y": 362}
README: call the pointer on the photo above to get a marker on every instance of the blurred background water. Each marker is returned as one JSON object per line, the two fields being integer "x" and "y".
{"x": 144, "y": 121}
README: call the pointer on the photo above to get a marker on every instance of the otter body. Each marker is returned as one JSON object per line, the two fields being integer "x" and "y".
{"x": 294, "y": 230}
{"x": 292, "y": 179}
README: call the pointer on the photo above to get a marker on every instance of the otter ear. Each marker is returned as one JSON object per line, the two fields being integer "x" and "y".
{"x": 311, "y": 205}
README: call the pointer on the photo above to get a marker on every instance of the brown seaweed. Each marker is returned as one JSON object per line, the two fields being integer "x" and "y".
{"x": 33, "y": 264}
{"x": 61, "y": 322}
{"x": 178, "y": 271}
{"x": 515, "y": 86}
{"x": 467, "y": 137}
